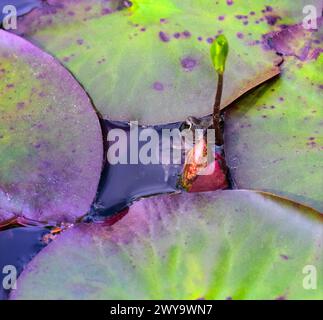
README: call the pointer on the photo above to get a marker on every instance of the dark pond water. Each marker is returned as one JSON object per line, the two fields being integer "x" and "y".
{"x": 17, "y": 247}
{"x": 121, "y": 184}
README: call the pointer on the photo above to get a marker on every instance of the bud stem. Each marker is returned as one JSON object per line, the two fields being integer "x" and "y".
{"x": 216, "y": 111}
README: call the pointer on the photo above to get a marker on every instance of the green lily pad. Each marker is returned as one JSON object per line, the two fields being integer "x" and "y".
{"x": 274, "y": 136}
{"x": 50, "y": 137}
{"x": 151, "y": 61}
{"x": 229, "y": 244}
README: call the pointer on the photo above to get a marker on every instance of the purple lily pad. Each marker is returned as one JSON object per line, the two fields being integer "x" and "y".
{"x": 50, "y": 137}
{"x": 238, "y": 244}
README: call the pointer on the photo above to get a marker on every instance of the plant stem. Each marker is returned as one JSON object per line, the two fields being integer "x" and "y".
{"x": 216, "y": 112}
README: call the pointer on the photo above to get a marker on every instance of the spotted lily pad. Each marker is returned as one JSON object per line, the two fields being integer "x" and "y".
{"x": 274, "y": 137}
{"x": 149, "y": 60}
{"x": 229, "y": 244}
{"x": 50, "y": 137}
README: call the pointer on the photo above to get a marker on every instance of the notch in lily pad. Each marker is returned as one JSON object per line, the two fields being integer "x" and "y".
{"x": 219, "y": 53}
